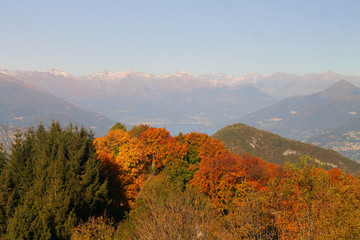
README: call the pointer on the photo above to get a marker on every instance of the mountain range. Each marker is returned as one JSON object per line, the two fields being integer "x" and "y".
{"x": 329, "y": 118}
{"x": 284, "y": 85}
{"x": 23, "y": 105}
{"x": 301, "y": 117}
{"x": 179, "y": 101}
{"x": 306, "y": 108}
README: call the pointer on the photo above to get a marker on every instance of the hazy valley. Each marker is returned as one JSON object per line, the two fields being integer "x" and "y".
{"x": 297, "y": 107}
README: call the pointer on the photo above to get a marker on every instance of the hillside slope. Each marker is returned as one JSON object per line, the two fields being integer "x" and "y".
{"x": 304, "y": 116}
{"x": 240, "y": 138}
{"x": 23, "y": 105}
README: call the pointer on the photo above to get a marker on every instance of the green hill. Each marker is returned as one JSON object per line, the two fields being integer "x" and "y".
{"x": 240, "y": 138}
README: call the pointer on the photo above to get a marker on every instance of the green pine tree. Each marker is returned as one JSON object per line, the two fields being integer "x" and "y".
{"x": 57, "y": 181}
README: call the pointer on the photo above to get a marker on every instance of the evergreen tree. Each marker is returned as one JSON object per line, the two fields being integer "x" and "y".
{"x": 57, "y": 181}
{"x": 3, "y": 159}
{"x": 5, "y": 190}
{"x": 118, "y": 125}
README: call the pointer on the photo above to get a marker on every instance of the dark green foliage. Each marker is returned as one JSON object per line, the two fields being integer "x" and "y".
{"x": 2, "y": 157}
{"x": 181, "y": 171}
{"x": 118, "y": 125}
{"x": 52, "y": 180}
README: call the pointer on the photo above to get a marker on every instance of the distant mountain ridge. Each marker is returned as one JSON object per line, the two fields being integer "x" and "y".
{"x": 24, "y": 105}
{"x": 240, "y": 138}
{"x": 284, "y": 85}
{"x": 301, "y": 117}
{"x": 179, "y": 101}
{"x": 280, "y": 84}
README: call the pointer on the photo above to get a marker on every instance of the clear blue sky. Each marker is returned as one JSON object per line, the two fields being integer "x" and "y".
{"x": 196, "y": 36}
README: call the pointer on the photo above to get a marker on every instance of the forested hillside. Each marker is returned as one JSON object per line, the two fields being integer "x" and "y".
{"x": 240, "y": 138}
{"x": 144, "y": 183}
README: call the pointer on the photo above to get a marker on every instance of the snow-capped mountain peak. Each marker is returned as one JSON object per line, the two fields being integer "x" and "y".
{"x": 59, "y": 73}
{"x": 107, "y": 75}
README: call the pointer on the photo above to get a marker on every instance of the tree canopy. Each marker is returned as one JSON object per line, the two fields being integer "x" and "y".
{"x": 51, "y": 181}
{"x": 59, "y": 183}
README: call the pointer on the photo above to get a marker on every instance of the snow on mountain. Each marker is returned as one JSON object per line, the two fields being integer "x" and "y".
{"x": 106, "y": 75}
{"x": 59, "y": 73}
{"x": 7, "y": 72}
{"x": 221, "y": 79}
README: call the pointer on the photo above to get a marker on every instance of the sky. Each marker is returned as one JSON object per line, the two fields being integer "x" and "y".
{"x": 235, "y": 37}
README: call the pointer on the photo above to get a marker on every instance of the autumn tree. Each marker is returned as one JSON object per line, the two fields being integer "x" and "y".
{"x": 221, "y": 178}
{"x": 126, "y": 164}
{"x": 195, "y": 148}
{"x": 311, "y": 203}
{"x": 161, "y": 148}
{"x": 257, "y": 171}
{"x": 100, "y": 228}
{"x": 137, "y": 130}
{"x": 165, "y": 212}
{"x": 203, "y": 145}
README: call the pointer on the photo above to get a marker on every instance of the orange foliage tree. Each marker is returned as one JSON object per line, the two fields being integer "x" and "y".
{"x": 125, "y": 161}
{"x": 259, "y": 200}
{"x": 257, "y": 171}
{"x": 161, "y": 147}
{"x": 203, "y": 144}
{"x": 312, "y": 203}
{"x": 220, "y": 177}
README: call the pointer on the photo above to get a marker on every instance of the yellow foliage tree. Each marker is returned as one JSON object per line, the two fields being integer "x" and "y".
{"x": 125, "y": 161}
